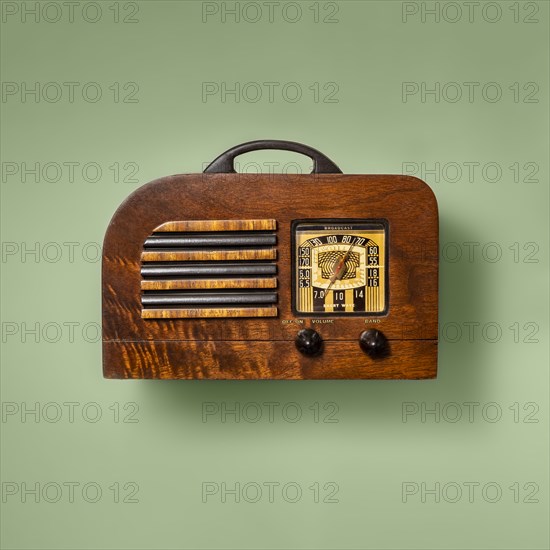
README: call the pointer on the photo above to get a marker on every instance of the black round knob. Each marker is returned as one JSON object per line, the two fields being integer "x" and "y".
{"x": 309, "y": 342}
{"x": 374, "y": 343}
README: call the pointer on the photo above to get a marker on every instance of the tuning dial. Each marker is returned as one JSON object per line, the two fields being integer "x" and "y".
{"x": 309, "y": 342}
{"x": 374, "y": 343}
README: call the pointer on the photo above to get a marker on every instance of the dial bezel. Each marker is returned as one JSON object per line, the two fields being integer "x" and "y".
{"x": 339, "y": 221}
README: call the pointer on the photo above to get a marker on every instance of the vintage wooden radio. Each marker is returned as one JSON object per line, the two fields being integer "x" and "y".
{"x": 224, "y": 275}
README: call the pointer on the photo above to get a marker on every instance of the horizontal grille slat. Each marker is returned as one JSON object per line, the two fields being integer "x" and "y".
{"x": 209, "y": 298}
{"x": 207, "y": 255}
{"x": 202, "y": 270}
{"x": 192, "y": 284}
{"x": 210, "y": 268}
{"x": 159, "y": 241}
{"x": 209, "y": 313}
{"x": 216, "y": 225}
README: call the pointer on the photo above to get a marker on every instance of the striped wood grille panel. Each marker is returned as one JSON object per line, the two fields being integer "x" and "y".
{"x": 210, "y": 268}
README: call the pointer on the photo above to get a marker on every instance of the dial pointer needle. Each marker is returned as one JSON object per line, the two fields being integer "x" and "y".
{"x": 339, "y": 271}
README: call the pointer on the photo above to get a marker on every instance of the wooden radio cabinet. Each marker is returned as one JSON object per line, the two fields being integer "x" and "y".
{"x": 222, "y": 275}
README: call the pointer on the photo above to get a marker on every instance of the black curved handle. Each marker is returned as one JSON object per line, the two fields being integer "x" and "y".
{"x": 224, "y": 163}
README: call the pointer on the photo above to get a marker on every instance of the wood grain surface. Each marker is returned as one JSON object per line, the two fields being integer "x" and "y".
{"x": 194, "y": 284}
{"x": 180, "y": 313}
{"x": 216, "y": 225}
{"x": 264, "y": 347}
{"x": 208, "y": 255}
{"x": 411, "y": 359}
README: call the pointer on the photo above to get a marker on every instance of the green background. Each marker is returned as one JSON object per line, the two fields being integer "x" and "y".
{"x": 165, "y": 449}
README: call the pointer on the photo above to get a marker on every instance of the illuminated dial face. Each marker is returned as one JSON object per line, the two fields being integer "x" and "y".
{"x": 339, "y": 267}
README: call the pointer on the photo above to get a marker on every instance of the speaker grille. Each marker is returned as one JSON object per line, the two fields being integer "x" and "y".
{"x": 210, "y": 268}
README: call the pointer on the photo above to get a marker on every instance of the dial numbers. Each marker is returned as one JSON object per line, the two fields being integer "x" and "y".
{"x": 340, "y": 267}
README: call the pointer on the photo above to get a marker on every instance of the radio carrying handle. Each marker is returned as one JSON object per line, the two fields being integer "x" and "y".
{"x": 224, "y": 163}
